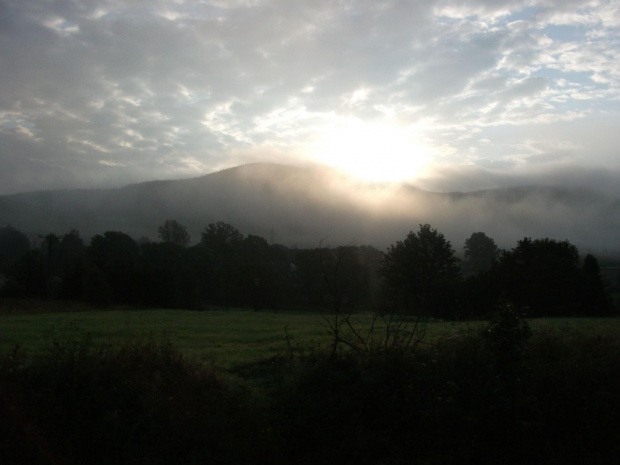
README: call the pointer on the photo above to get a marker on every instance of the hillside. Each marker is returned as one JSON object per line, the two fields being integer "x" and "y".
{"x": 301, "y": 206}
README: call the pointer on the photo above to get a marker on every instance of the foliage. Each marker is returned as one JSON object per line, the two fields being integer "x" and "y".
{"x": 506, "y": 336}
{"x": 450, "y": 403}
{"x": 422, "y": 273}
{"x": 70, "y": 264}
{"x": 27, "y": 277}
{"x": 480, "y": 252}
{"x": 332, "y": 277}
{"x": 592, "y": 294}
{"x": 454, "y": 400}
{"x": 219, "y": 234}
{"x": 480, "y": 295}
{"x": 116, "y": 255}
{"x": 263, "y": 272}
{"x": 13, "y": 244}
{"x": 544, "y": 277}
{"x": 174, "y": 232}
{"x": 140, "y": 402}
{"x": 417, "y": 278}
{"x": 166, "y": 276}
{"x": 507, "y": 332}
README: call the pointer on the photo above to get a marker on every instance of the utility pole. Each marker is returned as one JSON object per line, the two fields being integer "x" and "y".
{"x": 50, "y": 239}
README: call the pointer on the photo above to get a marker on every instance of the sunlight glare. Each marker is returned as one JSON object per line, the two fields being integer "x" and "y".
{"x": 372, "y": 152}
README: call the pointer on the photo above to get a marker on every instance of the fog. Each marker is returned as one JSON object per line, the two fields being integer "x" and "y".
{"x": 303, "y": 206}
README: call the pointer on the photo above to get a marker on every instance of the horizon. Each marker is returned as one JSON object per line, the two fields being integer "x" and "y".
{"x": 606, "y": 181}
{"x": 302, "y": 206}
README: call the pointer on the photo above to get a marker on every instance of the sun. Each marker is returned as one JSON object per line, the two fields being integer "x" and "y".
{"x": 371, "y": 152}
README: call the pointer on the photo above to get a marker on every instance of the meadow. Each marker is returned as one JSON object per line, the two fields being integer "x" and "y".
{"x": 122, "y": 385}
{"x": 227, "y": 337}
{"x": 224, "y": 336}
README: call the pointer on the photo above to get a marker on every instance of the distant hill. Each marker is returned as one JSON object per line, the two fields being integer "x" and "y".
{"x": 301, "y": 206}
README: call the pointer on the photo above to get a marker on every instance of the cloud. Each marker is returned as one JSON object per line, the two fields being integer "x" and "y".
{"x": 167, "y": 88}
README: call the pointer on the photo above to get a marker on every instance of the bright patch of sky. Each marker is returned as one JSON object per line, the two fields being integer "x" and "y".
{"x": 391, "y": 90}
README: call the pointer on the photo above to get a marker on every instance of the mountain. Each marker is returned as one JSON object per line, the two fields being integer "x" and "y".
{"x": 302, "y": 206}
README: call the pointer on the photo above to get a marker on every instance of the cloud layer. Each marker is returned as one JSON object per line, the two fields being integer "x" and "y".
{"x": 103, "y": 93}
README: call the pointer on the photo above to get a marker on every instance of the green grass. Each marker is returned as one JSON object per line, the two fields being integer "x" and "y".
{"x": 459, "y": 400}
{"x": 226, "y": 337}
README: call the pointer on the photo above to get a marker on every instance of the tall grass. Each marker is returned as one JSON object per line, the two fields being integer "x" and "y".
{"x": 483, "y": 393}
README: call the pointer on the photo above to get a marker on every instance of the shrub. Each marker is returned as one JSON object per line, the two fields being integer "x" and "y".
{"x": 140, "y": 402}
{"x": 553, "y": 399}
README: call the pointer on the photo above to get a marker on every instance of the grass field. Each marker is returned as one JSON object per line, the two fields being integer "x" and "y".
{"x": 227, "y": 337}
{"x": 494, "y": 397}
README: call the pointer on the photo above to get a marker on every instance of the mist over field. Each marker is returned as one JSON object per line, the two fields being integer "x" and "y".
{"x": 303, "y": 206}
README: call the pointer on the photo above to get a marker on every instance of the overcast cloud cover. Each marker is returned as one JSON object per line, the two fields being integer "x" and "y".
{"x": 454, "y": 95}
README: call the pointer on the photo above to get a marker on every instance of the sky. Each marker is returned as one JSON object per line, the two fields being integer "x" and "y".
{"x": 448, "y": 95}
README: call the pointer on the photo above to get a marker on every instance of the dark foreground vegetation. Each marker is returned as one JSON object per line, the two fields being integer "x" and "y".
{"x": 381, "y": 394}
{"x": 504, "y": 394}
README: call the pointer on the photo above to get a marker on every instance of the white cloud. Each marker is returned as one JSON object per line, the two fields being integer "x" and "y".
{"x": 169, "y": 87}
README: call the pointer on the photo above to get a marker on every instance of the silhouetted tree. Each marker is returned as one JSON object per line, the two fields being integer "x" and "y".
{"x": 541, "y": 276}
{"x": 481, "y": 295}
{"x": 220, "y": 233}
{"x": 27, "y": 277}
{"x": 116, "y": 255}
{"x": 174, "y": 232}
{"x": 480, "y": 254}
{"x": 593, "y": 296}
{"x": 308, "y": 277}
{"x": 282, "y": 288}
{"x": 371, "y": 260}
{"x": 13, "y": 244}
{"x": 71, "y": 264}
{"x": 333, "y": 278}
{"x": 422, "y": 273}
{"x": 221, "y": 243}
{"x": 255, "y": 274}
{"x": 95, "y": 287}
{"x": 167, "y": 276}
{"x": 48, "y": 247}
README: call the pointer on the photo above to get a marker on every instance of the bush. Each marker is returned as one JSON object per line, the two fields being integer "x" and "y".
{"x": 449, "y": 402}
{"x": 552, "y": 400}
{"x": 141, "y": 402}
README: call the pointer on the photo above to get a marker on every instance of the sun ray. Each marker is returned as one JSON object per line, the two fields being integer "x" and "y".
{"x": 372, "y": 152}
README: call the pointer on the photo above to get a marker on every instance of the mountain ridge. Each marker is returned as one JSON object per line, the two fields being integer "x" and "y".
{"x": 301, "y": 206}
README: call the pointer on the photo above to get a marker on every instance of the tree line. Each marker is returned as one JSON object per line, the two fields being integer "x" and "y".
{"x": 420, "y": 275}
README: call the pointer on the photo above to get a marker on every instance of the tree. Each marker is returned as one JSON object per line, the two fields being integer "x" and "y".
{"x": 220, "y": 233}
{"x": 168, "y": 276}
{"x": 221, "y": 242}
{"x": 333, "y": 278}
{"x": 480, "y": 254}
{"x": 593, "y": 296}
{"x": 255, "y": 276}
{"x": 13, "y": 244}
{"x": 174, "y": 232}
{"x": 422, "y": 273}
{"x": 542, "y": 276}
{"x": 27, "y": 277}
{"x": 116, "y": 255}
{"x": 71, "y": 264}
